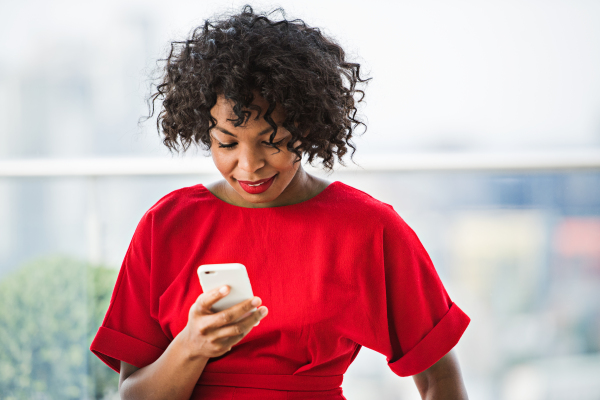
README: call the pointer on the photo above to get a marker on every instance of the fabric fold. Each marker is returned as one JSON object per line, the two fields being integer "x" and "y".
{"x": 112, "y": 347}
{"x": 436, "y": 344}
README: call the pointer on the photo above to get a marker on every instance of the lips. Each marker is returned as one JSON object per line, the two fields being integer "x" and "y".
{"x": 257, "y": 187}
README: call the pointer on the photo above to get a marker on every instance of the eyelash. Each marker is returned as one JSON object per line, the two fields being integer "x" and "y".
{"x": 229, "y": 146}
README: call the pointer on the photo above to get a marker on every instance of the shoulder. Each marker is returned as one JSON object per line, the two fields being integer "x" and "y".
{"x": 176, "y": 205}
{"x": 364, "y": 213}
{"x": 174, "y": 215}
{"x": 180, "y": 199}
{"x": 363, "y": 205}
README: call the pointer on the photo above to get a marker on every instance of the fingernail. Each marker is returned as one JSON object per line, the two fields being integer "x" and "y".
{"x": 224, "y": 289}
{"x": 256, "y": 302}
{"x": 263, "y": 311}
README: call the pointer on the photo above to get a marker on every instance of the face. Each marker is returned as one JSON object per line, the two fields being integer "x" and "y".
{"x": 258, "y": 174}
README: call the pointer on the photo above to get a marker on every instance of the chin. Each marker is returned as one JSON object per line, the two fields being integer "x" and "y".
{"x": 257, "y": 198}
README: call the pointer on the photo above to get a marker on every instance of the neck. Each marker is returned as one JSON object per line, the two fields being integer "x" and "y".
{"x": 298, "y": 190}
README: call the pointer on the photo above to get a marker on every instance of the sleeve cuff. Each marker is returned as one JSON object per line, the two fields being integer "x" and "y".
{"x": 112, "y": 347}
{"x": 436, "y": 344}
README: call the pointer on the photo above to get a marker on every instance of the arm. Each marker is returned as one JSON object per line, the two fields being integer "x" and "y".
{"x": 442, "y": 380}
{"x": 174, "y": 374}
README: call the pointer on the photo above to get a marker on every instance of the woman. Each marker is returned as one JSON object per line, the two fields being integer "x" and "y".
{"x": 337, "y": 268}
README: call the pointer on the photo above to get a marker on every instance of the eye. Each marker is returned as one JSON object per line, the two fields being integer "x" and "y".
{"x": 226, "y": 146}
{"x": 274, "y": 144}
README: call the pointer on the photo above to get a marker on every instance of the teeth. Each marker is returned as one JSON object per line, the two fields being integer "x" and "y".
{"x": 258, "y": 184}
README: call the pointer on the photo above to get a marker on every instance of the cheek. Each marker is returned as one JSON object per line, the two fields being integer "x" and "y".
{"x": 284, "y": 160}
{"x": 223, "y": 163}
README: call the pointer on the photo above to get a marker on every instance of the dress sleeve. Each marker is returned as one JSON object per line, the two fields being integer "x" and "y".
{"x": 130, "y": 332}
{"x": 423, "y": 324}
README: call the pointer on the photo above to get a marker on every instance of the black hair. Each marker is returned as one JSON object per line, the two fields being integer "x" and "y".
{"x": 286, "y": 61}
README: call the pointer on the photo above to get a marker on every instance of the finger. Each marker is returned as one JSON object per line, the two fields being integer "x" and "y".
{"x": 241, "y": 328}
{"x": 205, "y": 301}
{"x": 224, "y": 345}
{"x": 263, "y": 311}
{"x": 234, "y": 313}
{"x": 229, "y": 341}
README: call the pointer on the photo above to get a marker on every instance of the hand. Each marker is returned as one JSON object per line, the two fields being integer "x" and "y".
{"x": 212, "y": 334}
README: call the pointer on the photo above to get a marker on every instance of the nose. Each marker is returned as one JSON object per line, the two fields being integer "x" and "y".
{"x": 250, "y": 160}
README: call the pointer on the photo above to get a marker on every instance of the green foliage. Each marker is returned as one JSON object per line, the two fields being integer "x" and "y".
{"x": 50, "y": 310}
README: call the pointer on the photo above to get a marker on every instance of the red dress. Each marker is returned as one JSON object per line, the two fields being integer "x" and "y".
{"x": 339, "y": 271}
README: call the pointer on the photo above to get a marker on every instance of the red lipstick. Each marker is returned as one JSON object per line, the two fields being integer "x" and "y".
{"x": 257, "y": 187}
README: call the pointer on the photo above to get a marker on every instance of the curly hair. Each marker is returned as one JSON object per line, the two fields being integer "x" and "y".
{"x": 288, "y": 62}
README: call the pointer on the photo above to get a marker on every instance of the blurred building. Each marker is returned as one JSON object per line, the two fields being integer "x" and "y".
{"x": 519, "y": 252}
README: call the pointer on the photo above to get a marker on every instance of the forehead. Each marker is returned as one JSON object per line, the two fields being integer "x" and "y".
{"x": 223, "y": 112}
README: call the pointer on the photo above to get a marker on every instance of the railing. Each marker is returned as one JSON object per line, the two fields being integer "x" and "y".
{"x": 94, "y": 168}
{"x": 410, "y": 162}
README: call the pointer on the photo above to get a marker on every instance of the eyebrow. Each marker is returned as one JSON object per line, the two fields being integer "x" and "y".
{"x": 225, "y": 131}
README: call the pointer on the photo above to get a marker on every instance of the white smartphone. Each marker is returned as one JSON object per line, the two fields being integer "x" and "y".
{"x": 233, "y": 275}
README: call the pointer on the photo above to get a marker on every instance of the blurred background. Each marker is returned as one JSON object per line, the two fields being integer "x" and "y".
{"x": 484, "y": 134}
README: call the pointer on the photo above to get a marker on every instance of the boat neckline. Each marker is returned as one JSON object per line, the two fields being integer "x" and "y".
{"x": 314, "y": 198}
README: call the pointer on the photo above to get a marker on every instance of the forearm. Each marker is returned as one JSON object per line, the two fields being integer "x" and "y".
{"x": 172, "y": 376}
{"x": 445, "y": 389}
{"x": 208, "y": 334}
{"x": 442, "y": 381}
